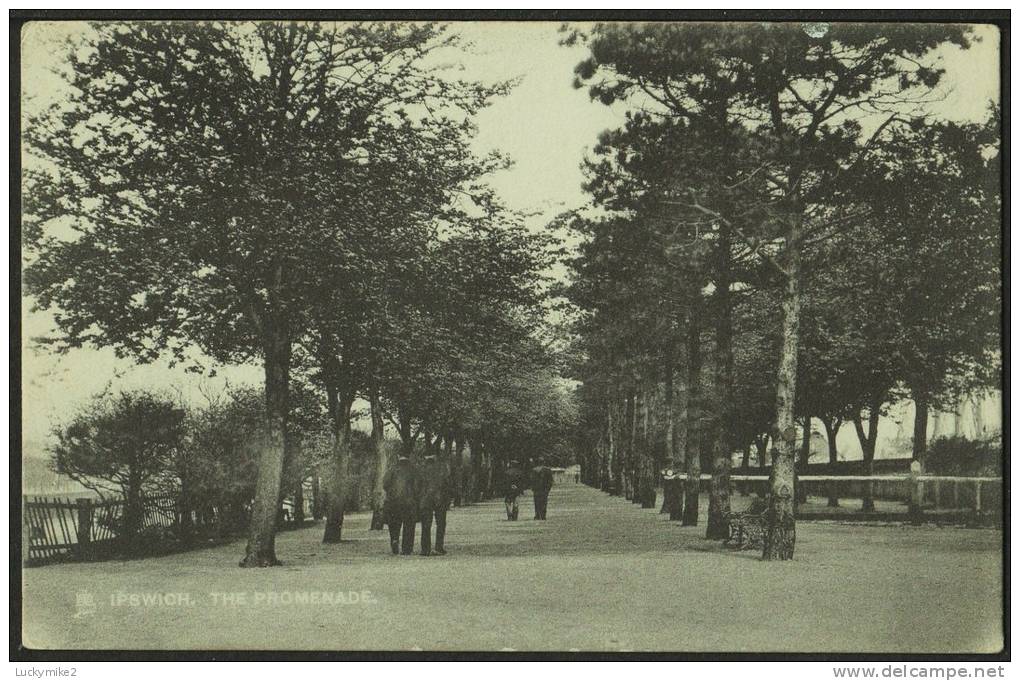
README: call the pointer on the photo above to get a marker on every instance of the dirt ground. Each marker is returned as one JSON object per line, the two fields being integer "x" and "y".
{"x": 599, "y": 575}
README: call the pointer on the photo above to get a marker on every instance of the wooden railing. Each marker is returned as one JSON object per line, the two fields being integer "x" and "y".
{"x": 933, "y": 492}
{"x": 55, "y": 529}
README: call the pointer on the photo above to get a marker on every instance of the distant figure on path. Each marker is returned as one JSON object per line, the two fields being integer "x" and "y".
{"x": 403, "y": 488}
{"x": 514, "y": 487}
{"x": 673, "y": 493}
{"x": 541, "y": 483}
{"x": 435, "y": 501}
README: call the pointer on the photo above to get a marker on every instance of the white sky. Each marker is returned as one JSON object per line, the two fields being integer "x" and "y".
{"x": 544, "y": 125}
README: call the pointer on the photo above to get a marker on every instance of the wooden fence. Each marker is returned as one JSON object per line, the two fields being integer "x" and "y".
{"x": 56, "y": 529}
{"x": 930, "y": 493}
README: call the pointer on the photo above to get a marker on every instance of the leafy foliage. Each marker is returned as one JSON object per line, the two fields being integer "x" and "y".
{"x": 120, "y": 443}
{"x": 963, "y": 457}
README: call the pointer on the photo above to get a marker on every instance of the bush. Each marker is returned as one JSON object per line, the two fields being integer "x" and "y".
{"x": 963, "y": 457}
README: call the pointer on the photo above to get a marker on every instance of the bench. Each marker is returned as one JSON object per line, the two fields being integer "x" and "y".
{"x": 747, "y": 530}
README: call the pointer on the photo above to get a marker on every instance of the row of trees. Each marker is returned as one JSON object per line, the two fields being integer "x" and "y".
{"x": 781, "y": 202}
{"x": 131, "y": 444}
{"x": 305, "y": 196}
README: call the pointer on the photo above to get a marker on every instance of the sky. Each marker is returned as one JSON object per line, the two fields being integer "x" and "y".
{"x": 544, "y": 125}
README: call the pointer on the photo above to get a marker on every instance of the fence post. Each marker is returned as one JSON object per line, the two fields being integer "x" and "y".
{"x": 977, "y": 496}
{"x": 84, "y": 528}
{"x": 916, "y": 492}
{"x": 26, "y": 533}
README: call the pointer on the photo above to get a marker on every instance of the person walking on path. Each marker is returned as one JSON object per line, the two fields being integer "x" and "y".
{"x": 541, "y": 483}
{"x": 435, "y": 501}
{"x": 403, "y": 487}
{"x": 514, "y": 488}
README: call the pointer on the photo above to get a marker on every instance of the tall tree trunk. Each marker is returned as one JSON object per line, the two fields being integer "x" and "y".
{"x": 637, "y": 448}
{"x": 600, "y": 475}
{"x": 920, "y": 440}
{"x": 680, "y": 421}
{"x": 631, "y": 425}
{"x": 679, "y": 451}
{"x": 668, "y": 408}
{"x": 800, "y": 492}
{"x": 977, "y": 414}
{"x": 614, "y": 453}
{"x": 455, "y": 470}
{"x": 317, "y": 511}
{"x": 339, "y": 469}
{"x": 261, "y": 548}
{"x": 722, "y": 450}
{"x": 780, "y": 530}
{"x": 185, "y": 505}
{"x": 289, "y": 475}
{"x": 831, "y": 430}
{"x": 936, "y": 425}
{"x": 381, "y": 463}
{"x": 299, "y": 502}
{"x": 134, "y": 510}
{"x": 641, "y": 445}
{"x": 762, "y": 448}
{"x": 692, "y": 446}
{"x": 476, "y": 470}
{"x": 868, "y": 441}
{"x": 745, "y": 469}
{"x": 490, "y": 469}
{"x": 646, "y": 461}
{"x": 406, "y": 437}
{"x": 669, "y": 500}
{"x": 590, "y": 462}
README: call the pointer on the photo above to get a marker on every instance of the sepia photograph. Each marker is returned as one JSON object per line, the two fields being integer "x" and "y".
{"x": 426, "y": 334}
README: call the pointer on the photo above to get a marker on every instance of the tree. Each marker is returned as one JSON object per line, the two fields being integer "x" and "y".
{"x": 681, "y": 178}
{"x": 121, "y": 443}
{"x": 850, "y": 344}
{"x": 756, "y": 344}
{"x": 219, "y": 451}
{"x": 177, "y": 199}
{"x": 921, "y": 312}
{"x": 622, "y": 282}
{"x": 804, "y": 97}
{"x": 352, "y": 339}
{"x": 475, "y": 301}
{"x": 941, "y": 240}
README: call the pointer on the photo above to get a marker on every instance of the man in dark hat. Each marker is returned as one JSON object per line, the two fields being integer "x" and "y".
{"x": 403, "y": 493}
{"x": 514, "y": 487}
{"x": 541, "y": 483}
{"x": 435, "y": 501}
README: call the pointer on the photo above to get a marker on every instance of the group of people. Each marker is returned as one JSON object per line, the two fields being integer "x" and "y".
{"x": 539, "y": 480}
{"x": 415, "y": 494}
{"x": 422, "y": 493}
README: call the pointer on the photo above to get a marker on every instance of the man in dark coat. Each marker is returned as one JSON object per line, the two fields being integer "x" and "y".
{"x": 514, "y": 488}
{"x": 435, "y": 500}
{"x": 403, "y": 488}
{"x": 673, "y": 493}
{"x": 541, "y": 483}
